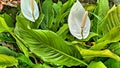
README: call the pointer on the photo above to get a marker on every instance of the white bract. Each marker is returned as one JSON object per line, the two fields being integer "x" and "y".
{"x": 78, "y": 28}
{"x": 30, "y": 9}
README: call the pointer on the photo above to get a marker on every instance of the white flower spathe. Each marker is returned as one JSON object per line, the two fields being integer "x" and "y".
{"x": 30, "y": 9}
{"x": 75, "y": 21}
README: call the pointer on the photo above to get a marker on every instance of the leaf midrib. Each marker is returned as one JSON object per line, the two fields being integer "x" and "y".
{"x": 58, "y": 50}
{"x": 68, "y": 55}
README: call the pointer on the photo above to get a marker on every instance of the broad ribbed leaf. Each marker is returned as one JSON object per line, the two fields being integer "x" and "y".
{"x": 115, "y": 48}
{"x": 112, "y": 36}
{"x": 112, "y": 19}
{"x": 51, "y": 48}
{"x": 62, "y": 13}
{"x": 7, "y": 60}
{"x": 88, "y": 54}
{"x": 4, "y": 27}
{"x": 8, "y": 19}
{"x": 101, "y": 10}
{"x": 49, "y": 14}
{"x": 63, "y": 31}
{"x": 111, "y": 63}
{"x": 7, "y": 51}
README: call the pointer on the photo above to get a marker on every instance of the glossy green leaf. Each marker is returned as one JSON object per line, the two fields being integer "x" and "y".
{"x": 8, "y": 20}
{"x": 112, "y": 36}
{"x": 63, "y": 31}
{"x": 87, "y": 53}
{"x": 48, "y": 11}
{"x": 7, "y": 51}
{"x": 38, "y": 21}
{"x": 91, "y": 35}
{"x": 23, "y": 59}
{"x": 7, "y": 60}
{"x": 66, "y": 6}
{"x": 51, "y": 48}
{"x": 6, "y": 37}
{"x": 57, "y": 6}
{"x": 115, "y": 48}
{"x": 101, "y": 10}
{"x": 41, "y": 66}
{"x": 111, "y": 63}
{"x": 22, "y": 23}
{"x": 89, "y": 7}
{"x": 3, "y": 26}
{"x": 62, "y": 13}
{"x": 21, "y": 45}
{"x": 94, "y": 64}
{"x": 110, "y": 20}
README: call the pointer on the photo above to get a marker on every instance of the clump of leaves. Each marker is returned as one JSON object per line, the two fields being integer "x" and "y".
{"x": 45, "y": 40}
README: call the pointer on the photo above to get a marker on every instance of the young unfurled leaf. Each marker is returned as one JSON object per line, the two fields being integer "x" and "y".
{"x": 30, "y": 9}
{"x": 78, "y": 21}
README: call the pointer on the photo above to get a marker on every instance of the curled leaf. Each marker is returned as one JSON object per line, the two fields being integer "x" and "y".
{"x": 30, "y": 9}
{"x": 78, "y": 21}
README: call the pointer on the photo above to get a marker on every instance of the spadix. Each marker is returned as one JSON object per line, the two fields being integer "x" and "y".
{"x": 78, "y": 21}
{"x": 30, "y": 9}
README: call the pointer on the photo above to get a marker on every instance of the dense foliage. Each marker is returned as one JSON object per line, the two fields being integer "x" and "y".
{"x": 39, "y": 37}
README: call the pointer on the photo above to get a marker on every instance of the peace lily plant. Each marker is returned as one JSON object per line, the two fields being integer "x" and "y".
{"x": 30, "y": 9}
{"x": 78, "y": 21}
{"x": 47, "y": 43}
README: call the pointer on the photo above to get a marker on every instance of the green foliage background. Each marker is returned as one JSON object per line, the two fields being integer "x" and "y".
{"x": 48, "y": 43}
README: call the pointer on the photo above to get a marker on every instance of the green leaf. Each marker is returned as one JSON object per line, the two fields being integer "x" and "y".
{"x": 23, "y": 59}
{"x": 58, "y": 20}
{"x": 89, "y": 7}
{"x": 8, "y": 19}
{"x": 112, "y": 36}
{"x": 101, "y": 10}
{"x": 111, "y": 20}
{"x": 57, "y": 6}
{"x": 41, "y": 66}
{"x": 6, "y": 37}
{"x": 94, "y": 64}
{"x": 111, "y": 63}
{"x": 115, "y": 48}
{"x": 3, "y": 26}
{"x": 7, "y": 60}
{"x": 103, "y": 7}
{"x": 62, "y": 32}
{"x": 66, "y": 6}
{"x": 62, "y": 13}
{"x": 21, "y": 24}
{"x": 91, "y": 35}
{"x": 21, "y": 45}
{"x": 7, "y": 51}
{"x": 87, "y": 53}
{"x": 49, "y": 14}
{"x": 51, "y": 48}
{"x": 38, "y": 21}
